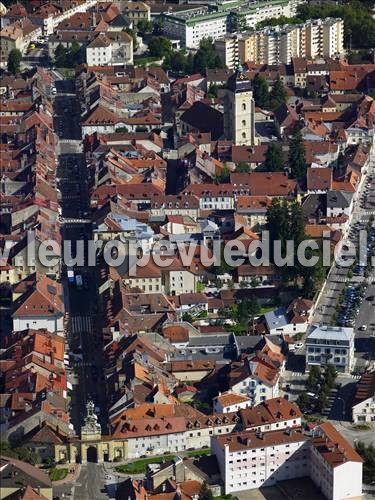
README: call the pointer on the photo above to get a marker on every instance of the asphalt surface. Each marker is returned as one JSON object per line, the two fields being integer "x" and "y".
{"x": 365, "y": 342}
{"x": 84, "y": 328}
{"x": 90, "y": 485}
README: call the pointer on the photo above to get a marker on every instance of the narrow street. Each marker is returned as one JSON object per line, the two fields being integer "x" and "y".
{"x": 83, "y": 332}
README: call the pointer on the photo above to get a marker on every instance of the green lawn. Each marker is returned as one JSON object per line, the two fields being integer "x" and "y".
{"x": 67, "y": 73}
{"x": 199, "y": 453}
{"x": 57, "y": 474}
{"x": 139, "y": 466}
{"x": 266, "y": 309}
{"x": 142, "y": 61}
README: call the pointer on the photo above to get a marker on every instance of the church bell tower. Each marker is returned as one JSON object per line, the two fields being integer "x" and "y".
{"x": 239, "y": 110}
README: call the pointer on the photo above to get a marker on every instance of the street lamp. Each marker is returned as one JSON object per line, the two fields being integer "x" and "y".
{"x": 343, "y": 407}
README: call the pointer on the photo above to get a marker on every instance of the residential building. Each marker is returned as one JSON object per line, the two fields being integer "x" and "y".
{"x": 252, "y": 459}
{"x": 135, "y": 11}
{"x": 339, "y": 203}
{"x": 289, "y": 321}
{"x": 257, "y": 377}
{"x": 41, "y": 307}
{"x": 228, "y": 402}
{"x": 111, "y": 48}
{"x": 323, "y": 38}
{"x": 102, "y": 49}
{"x": 23, "y": 480}
{"x": 283, "y": 44}
{"x": 334, "y": 466}
{"x": 192, "y": 25}
{"x": 363, "y": 407}
{"x": 330, "y": 345}
{"x": 270, "y": 415}
{"x": 227, "y": 49}
{"x": 11, "y": 37}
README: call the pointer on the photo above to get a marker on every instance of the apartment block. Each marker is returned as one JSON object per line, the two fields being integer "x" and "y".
{"x": 330, "y": 345}
{"x": 253, "y": 459}
{"x": 280, "y": 44}
{"x": 335, "y": 467}
{"x": 192, "y": 25}
{"x": 227, "y": 49}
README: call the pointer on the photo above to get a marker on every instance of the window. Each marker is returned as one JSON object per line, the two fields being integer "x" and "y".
{"x": 243, "y": 135}
{"x": 244, "y": 123}
{"x": 243, "y": 107}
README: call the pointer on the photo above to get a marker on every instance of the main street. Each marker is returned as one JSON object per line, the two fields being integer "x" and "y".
{"x": 337, "y": 277}
{"x": 83, "y": 333}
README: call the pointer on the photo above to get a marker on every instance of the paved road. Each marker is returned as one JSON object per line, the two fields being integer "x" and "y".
{"x": 84, "y": 328}
{"x": 365, "y": 344}
{"x": 90, "y": 485}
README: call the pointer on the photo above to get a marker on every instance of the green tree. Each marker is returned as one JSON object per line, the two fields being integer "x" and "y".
{"x": 260, "y": 91}
{"x": 159, "y": 46}
{"x": 359, "y": 26}
{"x": 60, "y": 56}
{"x": 28, "y": 456}
{"x": 187, "y": 317}
{"x": 238, "y": 23}
{"x": 205, "y": 493}
{"x": 303, "y": 401}
{"x": 247, "y": 311}
{"x": 74, "y": 55}
{"x": 224, "y": 176}
{"x": 189, "y": 65}
{"x": 278, "y": 21}
{"x": 175, "y": 60}
{"x": 206, "y": 56}
{"x": 278, "y": 94}
{"x": 274, "y": 158}
{"x": 242, "y": 167}
{"x": 213, "y": 90}
{"x": 330, "y": 375}
{"x": 278, "y": 223}
{"x": 367, "y": 452}
{"x": 322, "y": 402}
{"x": 314, "y": 377}
{"x": 254, "y": 282}
{"x": 296, "y": 157}
{"x": 144, "y": 27}
{"x": 313, "y": 276}
{"x": 133, "y": 34}
{"x": 158, "y": 26}
{"x": 14, "y": 61}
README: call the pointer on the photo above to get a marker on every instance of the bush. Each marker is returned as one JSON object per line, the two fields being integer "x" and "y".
{"x": 57, "y": 474}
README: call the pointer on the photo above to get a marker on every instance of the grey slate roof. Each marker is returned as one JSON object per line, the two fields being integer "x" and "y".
{"x": 338, "y": 199}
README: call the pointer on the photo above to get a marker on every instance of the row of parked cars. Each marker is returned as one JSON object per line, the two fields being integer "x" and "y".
{"x": 368, "y": 196}
{"x": 350, "y": 307}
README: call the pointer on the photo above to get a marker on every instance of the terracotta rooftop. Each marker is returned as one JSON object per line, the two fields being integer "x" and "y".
{"x": 230, "y": 398}
{"x": 268, "y": 412}
{"x": 319, "y": 178}
{"x": 333, "y": 447}
{"x": 365, "y": 388}
{"x": 248, "y": 440}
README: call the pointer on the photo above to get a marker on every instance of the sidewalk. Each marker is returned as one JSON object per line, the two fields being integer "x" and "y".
{"x": 74, "y": 472}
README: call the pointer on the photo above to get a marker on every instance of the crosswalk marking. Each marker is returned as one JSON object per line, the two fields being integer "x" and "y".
{"x": 80, "y": 324}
